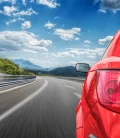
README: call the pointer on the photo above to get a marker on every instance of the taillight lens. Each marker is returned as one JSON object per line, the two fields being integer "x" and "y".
{"x": 108, "y": 88}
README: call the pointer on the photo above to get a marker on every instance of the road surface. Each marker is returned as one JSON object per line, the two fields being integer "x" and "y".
{"x": 43, "y": 109}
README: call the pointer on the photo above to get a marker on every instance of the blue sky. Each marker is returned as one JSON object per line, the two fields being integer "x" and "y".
{"x": 53, "y": 33}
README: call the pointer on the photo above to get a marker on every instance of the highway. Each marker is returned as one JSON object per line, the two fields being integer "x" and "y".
{"x": 42, "y": 109}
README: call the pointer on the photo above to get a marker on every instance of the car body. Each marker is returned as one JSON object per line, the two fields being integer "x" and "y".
{"x": 98, "y": 111}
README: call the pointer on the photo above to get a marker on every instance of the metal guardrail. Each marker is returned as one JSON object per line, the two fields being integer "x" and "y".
{"x": 10, "y": 81}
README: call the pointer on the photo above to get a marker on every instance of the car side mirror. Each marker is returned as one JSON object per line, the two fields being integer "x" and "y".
{"x": 82, "y": 67}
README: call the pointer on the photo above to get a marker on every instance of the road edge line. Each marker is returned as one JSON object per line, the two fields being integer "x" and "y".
{"x": 23, "y": 102}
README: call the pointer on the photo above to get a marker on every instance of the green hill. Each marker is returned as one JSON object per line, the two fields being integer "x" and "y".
{"x": 7, "y": 66}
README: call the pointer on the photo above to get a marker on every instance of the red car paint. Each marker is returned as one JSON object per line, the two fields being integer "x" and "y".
{"x": 97, "y": 113}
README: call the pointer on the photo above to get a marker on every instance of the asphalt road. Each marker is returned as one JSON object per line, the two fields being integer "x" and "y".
{"x": 43, "y": 109}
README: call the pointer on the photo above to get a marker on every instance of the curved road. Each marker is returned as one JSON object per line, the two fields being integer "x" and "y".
{"x": 43, "y": 109}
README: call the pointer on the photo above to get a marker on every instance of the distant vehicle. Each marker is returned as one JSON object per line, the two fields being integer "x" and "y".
{"x": 98, "y": 111}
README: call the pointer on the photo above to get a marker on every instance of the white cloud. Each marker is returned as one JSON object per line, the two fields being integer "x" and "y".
{"x": 22, "y": 40}
{"x": 49, "y": 3}
{"x": 45, "y": 43}
{"x": 80, "y": 54}
{"x": 91, "y": 53}
{"x": 67, "y": 34}
{"x": 14, "y": 11}
{"x": 14, "y": 20}
{"x": 26, "y": 25}
{"x": 11, "y": 21}
{"x": 30, "y": 51}
{"x": 1, "y": 12}
{"x": 24, "y": 2}
{"x": 56, "y": 17}
{"x": 76, "y": 52}
{"x": 49, "y": 25}
{"x": 72, "y": 63}
{"x": 28, "y": 12}
{"x": 102, "y": 11}
{"x": 77, "y": 38}
{"x": 105, "y": 41}
{"x": 9, "y": 10}
{"x": 62, "y": 54}
{"x": 36, "y": 50}
{"x": 32, "y": 1}
{"x": 11, "y": 1}
{"x": 113, "y": 5}
{"x": 87, "y": 42}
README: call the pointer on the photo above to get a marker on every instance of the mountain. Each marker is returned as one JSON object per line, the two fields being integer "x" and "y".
{"x": 66, "y": 71}
{"x": 9, "y": 67}
{"x": 27, "y": 65}
{"x": 48, "y": 69}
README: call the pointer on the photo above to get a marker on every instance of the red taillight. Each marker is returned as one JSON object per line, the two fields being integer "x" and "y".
{"x": 108, "y": 89}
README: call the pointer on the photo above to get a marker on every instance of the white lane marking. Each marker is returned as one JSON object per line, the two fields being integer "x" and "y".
{"x": 39, "y": 78}
{"x": 22, "y": 103}
{"x": 66, "y": 80}
{"x": 16, "y": 87}
{"x": 69, "y": 87}
{"x": 78, "y": 95}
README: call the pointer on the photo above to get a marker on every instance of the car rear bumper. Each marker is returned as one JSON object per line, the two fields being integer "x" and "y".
{"x": 100, "y": 123}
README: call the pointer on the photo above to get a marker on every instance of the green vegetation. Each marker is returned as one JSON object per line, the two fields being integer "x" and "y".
{"x": 7, "y": 66}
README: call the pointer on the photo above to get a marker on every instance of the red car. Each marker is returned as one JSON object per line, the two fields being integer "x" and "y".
{"x": 98, "y": 111}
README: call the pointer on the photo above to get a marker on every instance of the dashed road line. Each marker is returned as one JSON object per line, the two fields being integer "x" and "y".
{"x": 70, "y": 87}
{"x": 78, "y": 95}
